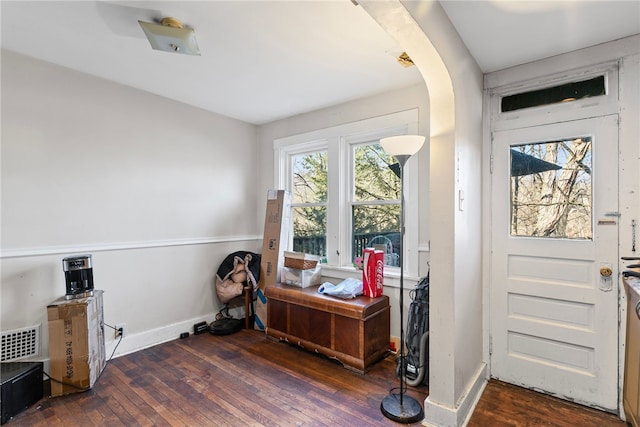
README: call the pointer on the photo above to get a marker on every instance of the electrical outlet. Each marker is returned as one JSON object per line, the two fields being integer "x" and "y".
{"x": 120, "y": 330}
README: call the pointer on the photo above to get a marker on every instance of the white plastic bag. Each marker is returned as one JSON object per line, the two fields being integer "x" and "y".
{"x": 348, "y": 288}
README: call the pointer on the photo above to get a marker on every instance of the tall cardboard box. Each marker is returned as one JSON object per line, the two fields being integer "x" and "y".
{"x": 76, "y": 343}
{"x": 276, "y": 236}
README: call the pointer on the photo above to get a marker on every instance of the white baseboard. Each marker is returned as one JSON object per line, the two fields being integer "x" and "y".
{"x": 438, "y": 415}
{"x": 136, "y": 342}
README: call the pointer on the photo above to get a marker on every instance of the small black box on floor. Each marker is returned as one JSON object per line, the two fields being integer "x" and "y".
{"x": 200, "y": 328}
{"x": 22, "y": 386}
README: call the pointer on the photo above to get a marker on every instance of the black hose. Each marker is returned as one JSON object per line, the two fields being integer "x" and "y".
{"x": 423, "y": 364}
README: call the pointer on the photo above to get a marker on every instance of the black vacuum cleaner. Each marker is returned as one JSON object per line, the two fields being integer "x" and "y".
{"x": 417, "y": 337}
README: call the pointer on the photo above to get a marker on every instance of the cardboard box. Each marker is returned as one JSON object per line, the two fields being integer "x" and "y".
{"x": 301, "y": 278}
{"x": 276, "y": 232}
{"x": 76, "y": 343}
{"x": 276, "y": 235}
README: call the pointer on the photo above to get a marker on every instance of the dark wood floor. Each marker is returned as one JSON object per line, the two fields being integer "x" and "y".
{"x": 246, "y": 379}
{"x": 503, "y": 404}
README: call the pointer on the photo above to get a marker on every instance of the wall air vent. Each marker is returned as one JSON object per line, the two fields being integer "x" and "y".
{"x": 20, "y": 343}
{"x": 553, "y": 95}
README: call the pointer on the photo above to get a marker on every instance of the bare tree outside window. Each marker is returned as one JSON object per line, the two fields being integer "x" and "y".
{"x": 376, "y": 202}
{"x": 309, "y": 202}
{"x": 375, "y": 199}
{"x": 551, "y": 190}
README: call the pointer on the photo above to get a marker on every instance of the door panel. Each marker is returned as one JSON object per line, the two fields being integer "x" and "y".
{"x": 554, "y": 315}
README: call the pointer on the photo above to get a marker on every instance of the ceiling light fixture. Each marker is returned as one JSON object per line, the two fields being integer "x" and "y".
{"x": 171, "y": 36}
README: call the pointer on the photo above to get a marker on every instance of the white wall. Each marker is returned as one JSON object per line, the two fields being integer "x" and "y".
{"x": 157, "y": 191}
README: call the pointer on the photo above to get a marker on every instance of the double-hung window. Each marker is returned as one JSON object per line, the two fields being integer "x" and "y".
{"x": 345, "y": 189}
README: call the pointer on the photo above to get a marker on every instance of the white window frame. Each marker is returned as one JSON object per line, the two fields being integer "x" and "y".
{"x": 338, "y": 141}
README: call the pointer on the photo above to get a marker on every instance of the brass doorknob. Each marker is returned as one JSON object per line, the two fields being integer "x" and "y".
{"x": 605, "y": 271}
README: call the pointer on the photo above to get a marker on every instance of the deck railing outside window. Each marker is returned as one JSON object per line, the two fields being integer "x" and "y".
{"x": 317, "y": 245}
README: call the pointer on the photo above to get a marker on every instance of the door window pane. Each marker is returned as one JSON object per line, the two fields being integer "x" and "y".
{"x": 551, "y": 190}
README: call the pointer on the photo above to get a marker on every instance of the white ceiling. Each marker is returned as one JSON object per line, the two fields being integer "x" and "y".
{"x": 266, "y": 60}
{"x": 503, "y": 33}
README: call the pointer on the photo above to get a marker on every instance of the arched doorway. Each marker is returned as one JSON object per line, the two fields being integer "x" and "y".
{"x": 456, "y": 367}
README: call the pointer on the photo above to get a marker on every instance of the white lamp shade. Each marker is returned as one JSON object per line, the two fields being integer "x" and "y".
{"x": 171, "y": 39}
{"x": 399, "y": 145}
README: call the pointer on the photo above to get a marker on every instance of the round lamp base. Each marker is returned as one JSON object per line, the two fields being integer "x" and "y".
{"x": 409, "y": 412}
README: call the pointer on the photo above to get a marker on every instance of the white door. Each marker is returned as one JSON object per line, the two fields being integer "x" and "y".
{"x": 554, "y": 285}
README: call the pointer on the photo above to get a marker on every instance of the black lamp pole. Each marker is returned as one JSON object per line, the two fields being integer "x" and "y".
{"x": 397, "y": 406}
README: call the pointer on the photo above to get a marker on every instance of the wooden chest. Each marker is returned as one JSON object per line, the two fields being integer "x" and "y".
{"x": 354, "y": 332}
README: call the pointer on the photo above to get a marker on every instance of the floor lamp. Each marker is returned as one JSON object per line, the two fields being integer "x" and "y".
{"x": 397, "y": 406}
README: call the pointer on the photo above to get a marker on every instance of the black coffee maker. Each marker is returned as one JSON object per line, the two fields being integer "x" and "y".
{"x": 78, "y": 273}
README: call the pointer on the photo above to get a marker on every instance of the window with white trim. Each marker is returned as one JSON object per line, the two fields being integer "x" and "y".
{"x": 346, "y": 190}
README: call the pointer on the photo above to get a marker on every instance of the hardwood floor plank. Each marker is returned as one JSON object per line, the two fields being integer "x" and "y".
{"x": 245, "y": 379}
{"x": 65, "y": 415}
{"x": 504, "y": 404}
{"x": 145, "y": 388}
{"x": 229, "y": 398}
{"x": 238, "y": 383}
{"x": 78, "y": 415}
{"x": 129, "y": 394}
{"x": 130, "y": 401}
